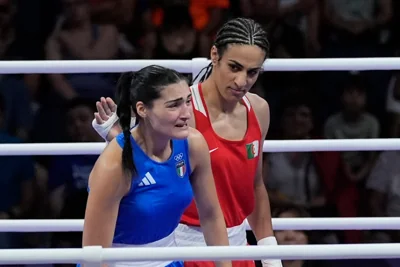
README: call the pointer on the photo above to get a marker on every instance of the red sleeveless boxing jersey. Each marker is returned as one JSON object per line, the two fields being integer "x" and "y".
{"x": 234, "y": 164}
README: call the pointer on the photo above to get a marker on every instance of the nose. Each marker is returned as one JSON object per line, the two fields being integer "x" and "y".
{"x": 186, "y": 113}
{"x": 241, "y": 79}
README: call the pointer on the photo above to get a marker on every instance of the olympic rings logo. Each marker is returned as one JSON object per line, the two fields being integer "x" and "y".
{"x": 178, "y": 157}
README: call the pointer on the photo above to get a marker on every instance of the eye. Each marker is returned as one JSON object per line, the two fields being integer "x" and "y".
{"x": 234, "y": 68}
{"x": 253, "y": 72}
{"x": 173, "y": 105}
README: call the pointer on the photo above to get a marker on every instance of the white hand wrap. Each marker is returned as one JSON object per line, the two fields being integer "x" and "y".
{"x": 104, "y": 129}
{"x": 269, "y": 241}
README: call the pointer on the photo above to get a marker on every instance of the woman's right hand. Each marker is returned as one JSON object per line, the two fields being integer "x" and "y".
{"x": 106, "y": 120}
{"x": 105, "y": 108}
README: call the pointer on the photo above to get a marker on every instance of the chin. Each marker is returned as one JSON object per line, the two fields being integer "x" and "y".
{"x": 231, "y": 95}
{"x": 180, "y": 133}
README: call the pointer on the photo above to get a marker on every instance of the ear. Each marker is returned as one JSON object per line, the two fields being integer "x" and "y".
{"x": 141, "y": 109}
{"x": 214, "y": 55}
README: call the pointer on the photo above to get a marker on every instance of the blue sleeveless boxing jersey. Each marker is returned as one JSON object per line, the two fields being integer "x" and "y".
{"x": 159, "y": 194}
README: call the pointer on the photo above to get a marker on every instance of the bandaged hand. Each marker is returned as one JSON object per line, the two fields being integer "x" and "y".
{"x": 269, "y": 241}
{"x": 106, "y": 119}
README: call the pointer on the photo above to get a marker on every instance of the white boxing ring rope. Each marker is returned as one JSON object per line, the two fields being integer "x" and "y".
{"x": 93, "y": 256}
{"x": 268, "y": 146}
{"x": 307, "y": 224}
{"x": 194, "y": 65}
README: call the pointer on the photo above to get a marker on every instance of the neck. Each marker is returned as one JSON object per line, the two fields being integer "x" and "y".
{"x": 351, "y": 116}
{"x": 215, "y": 99}
{"x": 154, "y": 145}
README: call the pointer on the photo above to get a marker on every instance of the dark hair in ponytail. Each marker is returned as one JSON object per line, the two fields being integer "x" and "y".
{"x": 240, "y": 31}
{"x": 144, "y": 85}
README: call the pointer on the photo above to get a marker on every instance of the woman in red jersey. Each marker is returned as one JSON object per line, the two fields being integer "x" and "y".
{"x": 234, "y": 123}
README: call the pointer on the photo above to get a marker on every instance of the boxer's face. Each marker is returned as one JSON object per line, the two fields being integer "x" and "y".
{"x": 169, "y": 114}
{"x": 237, "y": 70}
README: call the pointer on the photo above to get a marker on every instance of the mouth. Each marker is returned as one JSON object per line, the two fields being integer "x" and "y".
{"x": 237, "y": 91}
{"x": 181, "y": 125}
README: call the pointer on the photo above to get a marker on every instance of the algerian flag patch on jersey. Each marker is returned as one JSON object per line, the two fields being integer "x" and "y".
{"x": 252, "y": 149}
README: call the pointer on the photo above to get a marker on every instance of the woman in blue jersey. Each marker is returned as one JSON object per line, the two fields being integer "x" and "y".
{"x": 147, "y": 176}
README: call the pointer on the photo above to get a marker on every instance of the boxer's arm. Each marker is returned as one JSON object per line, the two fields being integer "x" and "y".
{"x": 107, "y": 186}
{"x": 260, "y": 219}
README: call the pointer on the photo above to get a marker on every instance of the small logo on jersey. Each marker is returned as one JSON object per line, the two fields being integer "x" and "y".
{"x": 178, "y": 157}
{"x": 212, "y": 150}
{"x": 181, "y": 168}
{"x": 252, "y": 149}
{"x": 147, "y": 180}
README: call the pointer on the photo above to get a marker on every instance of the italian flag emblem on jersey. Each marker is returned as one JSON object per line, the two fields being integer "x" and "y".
{"x": 181, "y": 168}
{"x": 252, "y": 149}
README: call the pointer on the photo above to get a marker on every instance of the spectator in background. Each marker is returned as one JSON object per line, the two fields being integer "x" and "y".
{"x": 295, "y": 237}
{"x": 17, "y": 119}
{"x": 7, "y": 28}
{"x": 299, "y": 18}
{"x": 112, "y": 12}
{"x": 296, "y": 177}
{"x": 207, "y": 16}
{"x": 355, "y": 28}
{"x": 176, "y": 37}
{"x": 298, "y": 237}
{"x": 75, "y": 37}
{"x": 68, "y": 175}
{"x": 393, "y": 105}
{"x": 286, "y": 21}
{"x": 352, "y": 122}
{"x": 384, "y": 194}
{"x": 17, "y": 179}
{"x": 313, "y": 181}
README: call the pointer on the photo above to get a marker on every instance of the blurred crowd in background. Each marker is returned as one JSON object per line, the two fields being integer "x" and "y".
{"x": 53, "y": 108}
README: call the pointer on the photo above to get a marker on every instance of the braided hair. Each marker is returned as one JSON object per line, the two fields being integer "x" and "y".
{"x": 241, "y": 31}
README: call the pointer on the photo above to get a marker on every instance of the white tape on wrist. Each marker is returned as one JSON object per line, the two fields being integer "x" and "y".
{"x": 104, "y": 129}
{"x": 269, "y": 241}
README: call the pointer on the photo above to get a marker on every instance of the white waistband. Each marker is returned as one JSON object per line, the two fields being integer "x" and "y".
{"x": 193, "y": 236}
{"x": 168, "y": 241}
